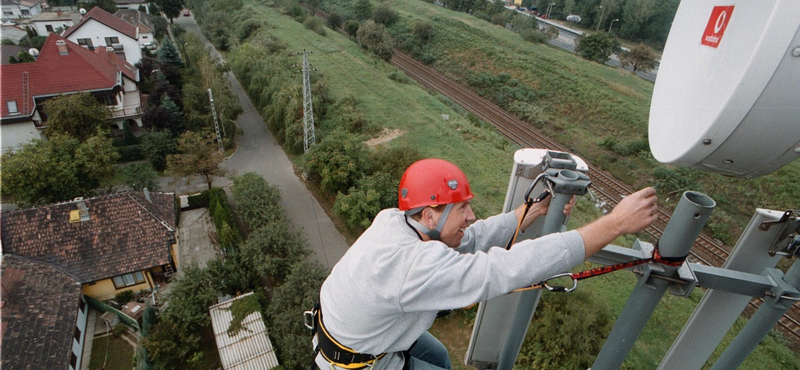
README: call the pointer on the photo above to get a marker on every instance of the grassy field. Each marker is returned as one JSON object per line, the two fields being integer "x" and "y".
{"x": 119, "y": 356}
{"x": 580, "y": 99}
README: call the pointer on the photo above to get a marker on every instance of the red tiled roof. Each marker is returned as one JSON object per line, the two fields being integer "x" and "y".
{"x": 125, "y": 233}
{"x": 52, "y": 73}
{"x": 107, "y": 19}
{"x": 39, "y": 314}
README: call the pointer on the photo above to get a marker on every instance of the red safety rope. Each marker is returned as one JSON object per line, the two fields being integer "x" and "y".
{"x": 669, "y": 261}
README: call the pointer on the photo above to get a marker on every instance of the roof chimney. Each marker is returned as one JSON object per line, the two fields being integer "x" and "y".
{"x": 109, "y": 49}
{"x": 81, "y": 214}
{"x": 62, "y": 47}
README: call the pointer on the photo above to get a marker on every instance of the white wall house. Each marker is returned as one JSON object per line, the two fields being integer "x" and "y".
{"x": 46, "y": 22}
{"x": 27, "y": 86}
{"x": 144, "y": 23}
{"x": 99, "y": 29}
{"x": 20, "y": 9}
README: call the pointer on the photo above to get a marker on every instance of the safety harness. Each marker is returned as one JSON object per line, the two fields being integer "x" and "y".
{"x": 336, "y": 353}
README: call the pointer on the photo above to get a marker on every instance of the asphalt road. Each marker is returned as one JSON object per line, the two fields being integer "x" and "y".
{"x": 259, "y": 152}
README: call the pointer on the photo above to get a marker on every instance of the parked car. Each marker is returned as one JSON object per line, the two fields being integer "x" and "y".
{"x": 186, "y": 13}
{"x": 574, "y": 18}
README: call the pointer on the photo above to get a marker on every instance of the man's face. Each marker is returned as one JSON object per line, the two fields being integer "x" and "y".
{"x": 460, "y": 217}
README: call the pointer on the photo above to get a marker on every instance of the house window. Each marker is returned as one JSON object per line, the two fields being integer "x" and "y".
{"x": 108, "y": 99}
{"x": 112, "y": 40}
{"x": 144, "y": 37}
{"x": 87, "y": 43}
{"x": 120, "y": 54}
{"x": 81, "y": 305}
{"x": 77, "y": 334}
{"x": 8, "y": 13}
{"x": 12, "y": 107}
{"x": 128, "y": 280}
{"x": 25, "y": 12}
{"x": 73, "y": 361}
{"x": 49, "y": 28}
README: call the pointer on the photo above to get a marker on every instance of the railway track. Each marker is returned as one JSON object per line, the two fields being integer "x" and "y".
{"x": 610, "y": 191}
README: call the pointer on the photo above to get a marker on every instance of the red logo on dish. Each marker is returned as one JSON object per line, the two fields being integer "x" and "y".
{"x": 717, "y": 23}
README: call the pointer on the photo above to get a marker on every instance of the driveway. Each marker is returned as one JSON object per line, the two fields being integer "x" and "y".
{"x": 259, "y": 152}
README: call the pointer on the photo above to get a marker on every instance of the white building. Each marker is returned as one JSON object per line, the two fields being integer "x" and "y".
{"x": 20, "y": 9}
{"x": 47, "y": 22}
{"x": 99, "y": 29}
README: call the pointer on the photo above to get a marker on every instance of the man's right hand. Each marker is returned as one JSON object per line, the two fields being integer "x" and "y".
{"x": 636, "y": 211}
{"x": 632, "y": 214}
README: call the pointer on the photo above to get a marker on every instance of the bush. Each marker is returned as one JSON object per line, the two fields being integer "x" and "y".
{"x": 534, "y": 36}
{"x": 383, "y": 14}
{"x": 139, "y": 176}
{"x": 314, "y": 24}
{"x": 199, "y": 200}
{"x": 363, "y": 202}
{"x": 130, "y": 153}
{"x": 258, "y": 202}
{"x": 338, "y": 162}
{"x": 351, "y": 27}
{"x": 335, "y": 21}
{"x": 376, "y": 39}
{"x": 124, "y": 297}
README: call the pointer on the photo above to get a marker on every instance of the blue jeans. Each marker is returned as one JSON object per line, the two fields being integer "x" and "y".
{"x": 429, "y": 354}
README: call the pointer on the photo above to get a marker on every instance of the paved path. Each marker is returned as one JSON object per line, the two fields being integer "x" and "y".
{"x": 259, "y": 152}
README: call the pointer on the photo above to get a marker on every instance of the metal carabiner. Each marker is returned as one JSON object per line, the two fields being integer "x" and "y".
{"x": 561, "y": 288}
{"x": 308, "y": 319}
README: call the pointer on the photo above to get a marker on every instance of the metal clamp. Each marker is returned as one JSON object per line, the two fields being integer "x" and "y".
{"x": 561, "y": 288}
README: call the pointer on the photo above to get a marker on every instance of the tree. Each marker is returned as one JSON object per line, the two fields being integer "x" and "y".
{"x": 300, "y": 292}
{"x": 22, "y": 57}
{"x": 139, "y": 176}
{"x": 351, "y": 27}
{"x": 170, "y": 8}
{"x": 199, "y": 156}
{"x": 168, "y": 54}
{"x": 423, "y": 30}
{"x": 383, "y": 14}
{"x": 640, "y": 58}
{"x": 339, "y": 161}
{"x": 335, "y": 21}
{"x": 362, "y": 203}
{"x": 258, "y": 202}
{"x": 273, "y": 249}
{"x": 108, "y": 5}
{"x": 362, "y": 9}
{"x": 376, "y": 39}
{"x": 58, "y": 169}
{"x": 597, "y": 47}
{"x": 156, "y": 146}
{"x": 78, "y": 115}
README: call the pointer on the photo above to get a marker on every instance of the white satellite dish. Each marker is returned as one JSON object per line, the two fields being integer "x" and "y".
{"x": 33, "y": 52}
{"x": 727, "y": 95}
{"x": 82, "y": 11}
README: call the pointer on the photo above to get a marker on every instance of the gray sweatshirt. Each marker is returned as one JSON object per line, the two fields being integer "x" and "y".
{"x": 386, "y": 290}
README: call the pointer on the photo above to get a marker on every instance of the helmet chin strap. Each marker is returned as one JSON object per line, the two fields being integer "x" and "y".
{"x": 434, "y": 234}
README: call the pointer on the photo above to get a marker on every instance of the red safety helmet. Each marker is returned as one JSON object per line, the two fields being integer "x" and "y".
{"x": 431, "y": 182}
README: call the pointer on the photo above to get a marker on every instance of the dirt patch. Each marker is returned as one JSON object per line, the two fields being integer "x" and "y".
{"x": 386, "y": 136}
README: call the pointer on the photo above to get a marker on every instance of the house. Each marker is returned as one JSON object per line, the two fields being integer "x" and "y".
{"x": 20, "y": 9}
{"x": 43, "y": 315}
{"x": 107, "y": 244}
{"x": 65, "y": 68}
{"x": 132, "y": 4}
{"x": 247, "y": 348}
{"x": 8, "y": 51}
{"x": 141, "y": 20}
{"x": 47, "y": 22}
{"x": 98, "y": 28}
{"x": 13, "y": 32}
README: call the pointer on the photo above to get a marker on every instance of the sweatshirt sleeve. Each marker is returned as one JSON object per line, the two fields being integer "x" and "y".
{"x": 440, "y": 278}
{"x": 494, "y": 231}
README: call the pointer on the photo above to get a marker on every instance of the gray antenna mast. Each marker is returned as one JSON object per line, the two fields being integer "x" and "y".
{"x": 216, "y": 121}
{"x": 309, "y": 137}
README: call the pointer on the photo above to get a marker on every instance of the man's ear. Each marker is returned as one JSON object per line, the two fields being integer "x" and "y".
{"x": 429, "y": 218}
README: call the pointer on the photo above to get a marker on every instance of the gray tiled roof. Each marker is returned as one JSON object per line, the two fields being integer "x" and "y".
{"x": 125, "y": 233}
{"x": 39, "y": 311}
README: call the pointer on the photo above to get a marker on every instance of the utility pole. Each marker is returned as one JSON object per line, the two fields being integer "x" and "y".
{"x": 216, "y": 122}
{"x": 602, "y": 11}
{"x": 309, "y": 138}
{"x": 612, "y": 24}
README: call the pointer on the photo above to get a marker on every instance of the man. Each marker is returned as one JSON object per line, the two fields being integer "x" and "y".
{"x": 384, "y": 294}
